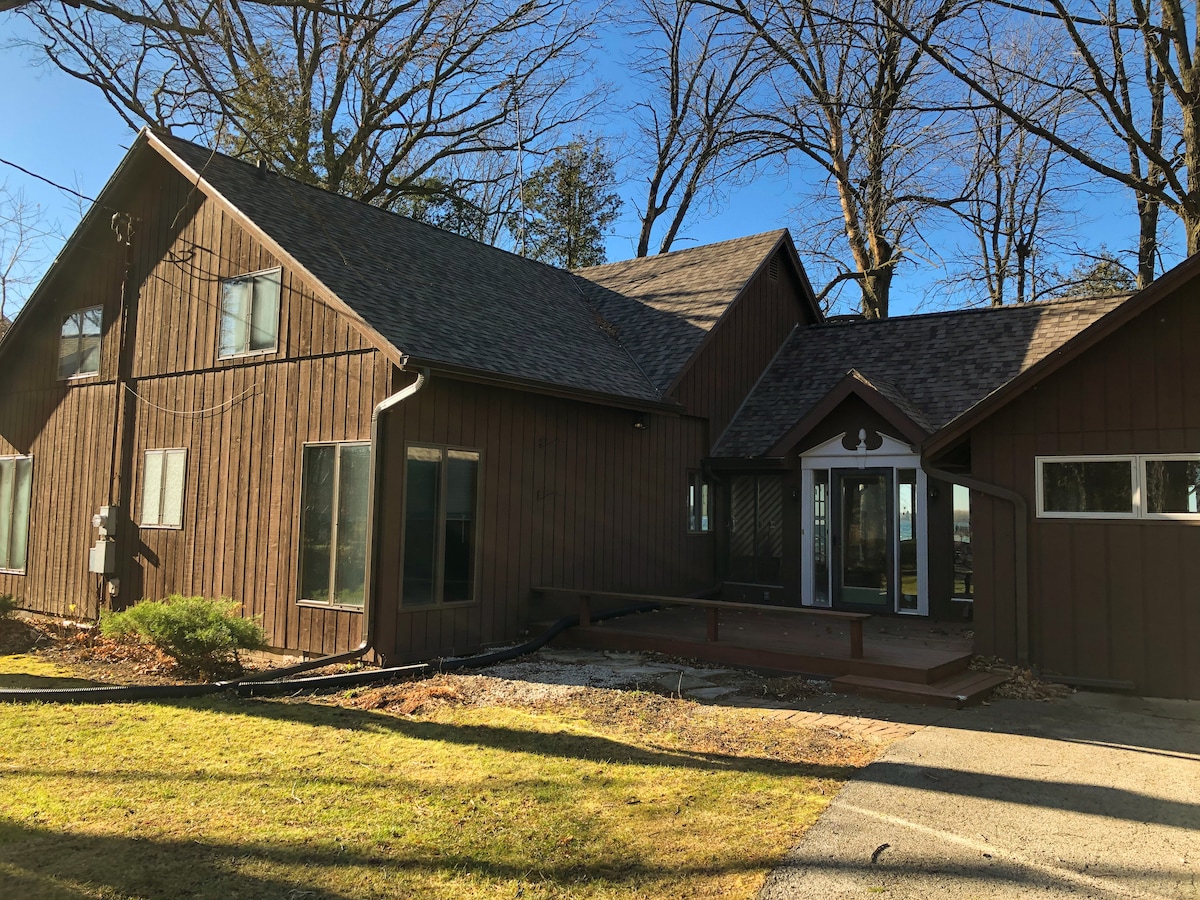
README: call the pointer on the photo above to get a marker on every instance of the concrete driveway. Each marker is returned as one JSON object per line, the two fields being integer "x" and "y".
{"x": 1089, "y": 796}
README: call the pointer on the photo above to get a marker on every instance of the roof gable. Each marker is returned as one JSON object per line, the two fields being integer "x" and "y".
{"x": 1096, "y": 331}
{"x": 663, "y": 308}
{"x": 931, "y": 368}
{"x": 888, "y": 401}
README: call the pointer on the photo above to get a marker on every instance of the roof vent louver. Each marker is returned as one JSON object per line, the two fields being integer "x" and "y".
{"x": 773, "y": 268}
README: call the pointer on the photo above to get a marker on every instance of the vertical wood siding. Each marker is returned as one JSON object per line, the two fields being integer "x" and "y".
{"x": 571, "y": 496}
{"x": 741, "y": 346}
{"x": 244, "y": 421}
{"x": 1109, "y": 599}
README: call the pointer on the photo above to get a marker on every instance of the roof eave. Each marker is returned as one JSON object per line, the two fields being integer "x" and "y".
{"x": 547, "y": 388}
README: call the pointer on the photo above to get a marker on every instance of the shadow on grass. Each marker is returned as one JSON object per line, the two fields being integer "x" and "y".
{"x": 1092, "y": 799}
{"x": 38, "y": 862}
{"x": 560, "y": 743}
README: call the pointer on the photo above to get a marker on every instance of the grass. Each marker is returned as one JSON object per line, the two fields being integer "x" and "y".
{"x": 225, "y": 797}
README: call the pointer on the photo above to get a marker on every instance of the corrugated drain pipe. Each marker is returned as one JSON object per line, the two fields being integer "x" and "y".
{"x": 1021, "y": 538}
{"x": 250, "y": 687}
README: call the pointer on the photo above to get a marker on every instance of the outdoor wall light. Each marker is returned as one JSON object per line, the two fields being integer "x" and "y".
{"x": 639, "y": 422}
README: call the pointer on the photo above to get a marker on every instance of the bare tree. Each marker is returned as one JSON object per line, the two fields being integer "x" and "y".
{"x": 369, "y": 98}
{"x": 699, "y": 67}
{"x": 1136, "y": 76}
{"x": 850, "y": 96}
{"x": 1013, "y": 199}
{"x": 24, "y": 249}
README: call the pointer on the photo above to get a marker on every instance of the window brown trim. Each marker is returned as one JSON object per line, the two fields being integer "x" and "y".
{"x": 439, "y": 555}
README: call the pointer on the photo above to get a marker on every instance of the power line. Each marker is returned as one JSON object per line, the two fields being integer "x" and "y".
{"x": 68, "y": 190}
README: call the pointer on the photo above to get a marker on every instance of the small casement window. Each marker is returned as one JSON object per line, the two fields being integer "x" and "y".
{"x": 441, "y": 543}
{"x": 16, "y": 483}
{"x": 79, "y": 346}
{"x": 699, "y": 503}
{"x": 164, "y": 475}
{"x": 1145, "y": 486}
{"x": 250, "y": 313}
{"x": 333, "y": 523}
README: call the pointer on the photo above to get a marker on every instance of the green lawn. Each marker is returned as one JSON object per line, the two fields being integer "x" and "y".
{"x": 238, "y": 798}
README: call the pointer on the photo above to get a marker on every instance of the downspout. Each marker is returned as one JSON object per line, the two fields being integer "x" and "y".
{"x": 372, "y": 552}
{"x": 1021, "y": 521}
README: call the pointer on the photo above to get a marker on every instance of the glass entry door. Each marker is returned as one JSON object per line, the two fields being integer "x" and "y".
{"x": 861, "y": 551}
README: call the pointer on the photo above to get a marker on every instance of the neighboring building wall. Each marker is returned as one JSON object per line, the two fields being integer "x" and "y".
{"x": 572, "y": 495}
{"x": 742, "y": 344}
{"x": 1112, "y": 599}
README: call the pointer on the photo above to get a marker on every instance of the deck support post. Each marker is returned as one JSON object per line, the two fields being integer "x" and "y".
{"x": 585, "y": 610}
{"x": 856, "y": 639}
{"x": 712, "y": 623}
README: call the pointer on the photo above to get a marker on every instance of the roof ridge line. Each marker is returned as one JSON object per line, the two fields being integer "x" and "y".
{"x": 646, "y": 259}
{"x": 1009, "y": 308}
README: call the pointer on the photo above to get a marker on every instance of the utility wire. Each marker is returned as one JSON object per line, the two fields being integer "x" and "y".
{"x": 71, "y": 191}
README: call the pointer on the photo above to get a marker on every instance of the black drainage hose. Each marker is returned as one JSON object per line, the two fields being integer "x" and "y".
{"x": 246, "y": 687}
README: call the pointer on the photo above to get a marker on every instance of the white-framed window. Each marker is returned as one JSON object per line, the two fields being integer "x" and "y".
{"x": 1131, "y": 486}
{"x": 16, "y": 484}
{"x": 79, "y": 344}
{"x": 441, "y": 525}
{"x": 699, "y": 504}
{"x": 164, "y": 475}
{"x": 333, "y": 523}
{"x": 250, "y": 314}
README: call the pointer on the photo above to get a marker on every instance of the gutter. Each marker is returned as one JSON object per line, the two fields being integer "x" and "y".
{"x": 1021, "y": 522}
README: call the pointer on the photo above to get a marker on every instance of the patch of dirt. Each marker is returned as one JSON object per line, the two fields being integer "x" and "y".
{"x": 19, "y": 636}
{"x": 1022, "y": 684}
{"x": 88, "y": 654}
{"x": 680, "y": 724}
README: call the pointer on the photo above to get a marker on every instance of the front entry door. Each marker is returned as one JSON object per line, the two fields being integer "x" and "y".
{"x": 862, "y": 543}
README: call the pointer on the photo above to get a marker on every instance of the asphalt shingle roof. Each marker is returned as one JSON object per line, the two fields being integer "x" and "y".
{"x": 662, "y": 307}
{"x": 934, "y": 367}
{"x": 434, "y": 295}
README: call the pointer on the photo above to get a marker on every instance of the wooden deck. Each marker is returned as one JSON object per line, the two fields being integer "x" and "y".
{"x": 911, "y": 660}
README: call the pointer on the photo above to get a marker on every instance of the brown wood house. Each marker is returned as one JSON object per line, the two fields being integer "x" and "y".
{"x": 336, "y": 415}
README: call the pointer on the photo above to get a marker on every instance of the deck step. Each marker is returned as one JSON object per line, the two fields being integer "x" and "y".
{"x": 955, "y": 691}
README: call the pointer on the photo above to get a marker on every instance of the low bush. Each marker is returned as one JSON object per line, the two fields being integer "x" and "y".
{"x": 200, "y": 634}
{"x": 8, "y": 605}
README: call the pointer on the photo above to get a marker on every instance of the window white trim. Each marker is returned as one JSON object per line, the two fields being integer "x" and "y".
{"x": 249, "y": 324}
{"x": 79, "y": 314}
{"x": 1137, "y": 480}
{"x": 155, "y": 490}
{"x": 12, "y": 513}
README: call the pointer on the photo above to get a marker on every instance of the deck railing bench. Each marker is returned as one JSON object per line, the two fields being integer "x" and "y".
{"x": 713, "y": 609}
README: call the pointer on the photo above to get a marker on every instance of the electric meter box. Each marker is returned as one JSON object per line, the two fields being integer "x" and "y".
{"x": 106, "y": 521}
{"x": 102, "y": 558}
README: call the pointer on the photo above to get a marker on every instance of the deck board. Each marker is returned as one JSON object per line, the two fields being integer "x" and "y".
{"x": 784, "y": 642}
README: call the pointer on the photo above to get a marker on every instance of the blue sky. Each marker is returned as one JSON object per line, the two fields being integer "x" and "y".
{"x": 65, "y": 130}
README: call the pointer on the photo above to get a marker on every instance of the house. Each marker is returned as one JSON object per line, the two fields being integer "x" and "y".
{"x": 350, "y": 421}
